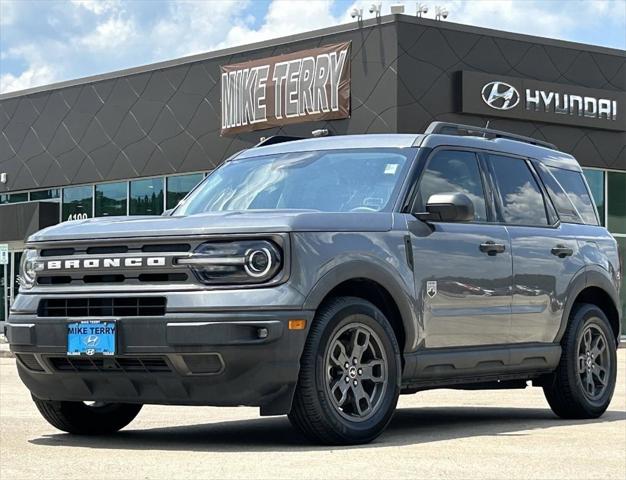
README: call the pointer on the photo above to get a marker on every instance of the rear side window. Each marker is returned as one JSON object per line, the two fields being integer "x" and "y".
{"x": 522, "y": 202}
{"x": 564, "y": 206}
{"x": 574, "y": 186}
{"x": 454, "y": 171}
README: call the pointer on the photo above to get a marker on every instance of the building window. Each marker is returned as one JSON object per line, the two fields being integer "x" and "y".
{"x": 616, "y": 202}
{"x": 77, "y": 203}
{"x": 39, "y": 195}
{"x": 179, "y": 186}
{"x": 146, "y": 197}
{"x": 111, "y": 199}
{"x": 621, "y": 244}
{"x": 595, "y": 179}
{"x": 14, "y": 197}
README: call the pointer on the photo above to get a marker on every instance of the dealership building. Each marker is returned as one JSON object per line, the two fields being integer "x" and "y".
{"x": 134, "y": 142}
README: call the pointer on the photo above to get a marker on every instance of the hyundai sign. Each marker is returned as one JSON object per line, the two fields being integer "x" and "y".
{"x": 524, "y": 99}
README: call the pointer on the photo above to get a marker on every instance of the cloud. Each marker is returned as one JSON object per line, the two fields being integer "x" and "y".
{"x": 33, "y": 76}
{"x": 284, "y": 19}
{"x": 55, "y": 40}
{"x": 110, "y": 34}
{"x": 97, "y": 6}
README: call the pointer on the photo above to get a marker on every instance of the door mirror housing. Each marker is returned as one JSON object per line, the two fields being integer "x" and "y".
{"x": 448, "y": 207}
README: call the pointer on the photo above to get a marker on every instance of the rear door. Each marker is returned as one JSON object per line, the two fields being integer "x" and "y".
{"x": 546, "y": 253}
{"x": 463, "y": 269}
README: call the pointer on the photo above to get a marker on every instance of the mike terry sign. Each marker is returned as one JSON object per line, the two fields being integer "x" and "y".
{"x": 296, "y": 87}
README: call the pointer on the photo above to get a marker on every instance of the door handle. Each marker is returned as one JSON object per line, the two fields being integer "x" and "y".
{"x": 562, "y": 251}
{"x": 492, "y": 248}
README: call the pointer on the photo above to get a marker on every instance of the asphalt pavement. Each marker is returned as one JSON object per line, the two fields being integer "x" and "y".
{"x": 438, "y": 434}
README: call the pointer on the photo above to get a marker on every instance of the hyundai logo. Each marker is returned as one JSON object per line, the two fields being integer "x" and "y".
{"x": 500, "y": 95}
{"x": 92, "y": 340}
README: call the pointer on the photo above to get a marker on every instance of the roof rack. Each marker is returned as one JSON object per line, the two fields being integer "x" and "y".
{"x": 446, "y": 128}
{"x": 274, "y": 139}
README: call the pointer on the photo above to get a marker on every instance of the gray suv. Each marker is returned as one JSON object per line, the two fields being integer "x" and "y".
{"x": 322, "y": 278}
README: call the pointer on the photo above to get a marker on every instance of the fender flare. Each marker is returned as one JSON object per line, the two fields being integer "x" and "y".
{"x": 374, "y": 271}
{"x": 587, "y": 277}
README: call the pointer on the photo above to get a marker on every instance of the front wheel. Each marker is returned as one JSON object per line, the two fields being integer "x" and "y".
{"x": 584, "y": 381}
{"x": 349, "y": 374}
{"x": 87, "y": 418}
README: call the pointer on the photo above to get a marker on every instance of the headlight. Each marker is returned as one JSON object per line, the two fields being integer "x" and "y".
{"x": 29, "y": 268}
{"x": 237, "y": 262}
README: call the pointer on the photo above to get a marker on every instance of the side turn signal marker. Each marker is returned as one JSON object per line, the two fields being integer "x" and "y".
{"x": 297, "y": 324}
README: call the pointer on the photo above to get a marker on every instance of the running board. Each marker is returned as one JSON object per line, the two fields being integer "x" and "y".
{"x": 443, "y": 366}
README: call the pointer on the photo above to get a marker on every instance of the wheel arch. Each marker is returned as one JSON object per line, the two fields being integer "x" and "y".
{"x": 595, "y": 287}
{"x": 374, "y": 284}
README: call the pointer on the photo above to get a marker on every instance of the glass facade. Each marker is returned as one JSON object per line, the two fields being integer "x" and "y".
{"x": 616, "y": 202}
{"x": 595, "y": 179}
{"x": 146, "y": 197}
{"x": 14, "y": 197}
{"x": 111, "y": 199}
{"x": 3, "y": 300}
{"x": 52, "y": 194}
{"x": 179, "y": 186}
{"x": 77, "y": 203}
{"x": 621, "y": 242}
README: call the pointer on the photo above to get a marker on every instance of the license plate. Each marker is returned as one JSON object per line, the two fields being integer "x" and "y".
{"x": 91, "y": 337}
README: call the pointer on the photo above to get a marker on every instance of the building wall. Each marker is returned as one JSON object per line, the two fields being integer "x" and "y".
{"x": 167, "y": 120}
{"x": 429, "y": 85}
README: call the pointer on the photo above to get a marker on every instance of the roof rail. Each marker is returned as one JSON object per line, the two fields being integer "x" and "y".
{"x": 446, "y": 128}
{"x": 276, "y": 139}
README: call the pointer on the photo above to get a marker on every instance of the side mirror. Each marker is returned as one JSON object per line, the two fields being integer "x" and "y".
{"x": 448, "y": 207}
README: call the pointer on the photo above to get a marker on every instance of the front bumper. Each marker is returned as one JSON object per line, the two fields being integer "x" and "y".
{"x": 221, "y": 359}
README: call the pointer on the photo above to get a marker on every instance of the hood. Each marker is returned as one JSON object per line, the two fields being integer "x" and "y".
{"x": 255, "y": 221}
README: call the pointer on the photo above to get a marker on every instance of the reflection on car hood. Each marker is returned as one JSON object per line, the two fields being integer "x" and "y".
{"x": 255, "y": 221}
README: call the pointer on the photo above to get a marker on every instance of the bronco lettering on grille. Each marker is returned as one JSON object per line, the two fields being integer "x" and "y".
{"x": 105, "y": 263}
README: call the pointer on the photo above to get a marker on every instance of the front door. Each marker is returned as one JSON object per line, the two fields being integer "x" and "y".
{"x": 463, "y": 271}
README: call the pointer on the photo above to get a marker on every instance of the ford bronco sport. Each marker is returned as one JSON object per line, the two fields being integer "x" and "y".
{"x": 323, "y": 277}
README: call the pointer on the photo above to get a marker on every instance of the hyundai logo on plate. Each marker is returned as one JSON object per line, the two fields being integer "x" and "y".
{"x": 500, "y": 95}
{"x": 92, "y": 340}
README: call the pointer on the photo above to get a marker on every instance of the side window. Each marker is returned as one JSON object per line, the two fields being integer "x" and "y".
{"x": 521, "y": 197}
{"x": 454, "y": 172}
{"x": 564, "y": 207}
{"x": 573, "y": 184}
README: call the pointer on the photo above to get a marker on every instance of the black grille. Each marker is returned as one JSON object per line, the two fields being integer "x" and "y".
{"x": 29, "y": 361}
{"x": 110, "y": 364}
{"x": 102, "y": 307}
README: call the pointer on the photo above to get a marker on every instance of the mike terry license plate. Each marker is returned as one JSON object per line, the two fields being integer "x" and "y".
{"x": 91, "y": 337}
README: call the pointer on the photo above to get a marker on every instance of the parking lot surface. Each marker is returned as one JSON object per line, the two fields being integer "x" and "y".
{"x": 437, "y": 434}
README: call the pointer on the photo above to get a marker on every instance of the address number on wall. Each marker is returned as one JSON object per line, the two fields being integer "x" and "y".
{"x": 77, "y": 216}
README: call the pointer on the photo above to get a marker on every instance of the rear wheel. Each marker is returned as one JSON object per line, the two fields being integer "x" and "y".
{"x": 349, "y": 374}
{"x": 87, "y": 418}
{"x": 584, "y": 381}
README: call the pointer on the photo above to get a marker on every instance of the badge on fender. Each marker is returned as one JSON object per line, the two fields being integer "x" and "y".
{"x": 431, "y": 288}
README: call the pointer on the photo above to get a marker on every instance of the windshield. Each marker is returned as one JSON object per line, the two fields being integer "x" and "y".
{"x": 329, "y": 181}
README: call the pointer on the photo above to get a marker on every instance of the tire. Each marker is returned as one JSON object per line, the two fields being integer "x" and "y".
{"x": 570, "y": 393}
{"x": 336, "y": 404}
{"x": 82, "y": 419}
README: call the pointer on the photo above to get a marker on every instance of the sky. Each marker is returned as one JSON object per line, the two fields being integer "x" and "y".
{"x": 47, "y": 41}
